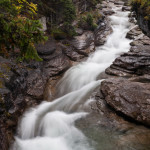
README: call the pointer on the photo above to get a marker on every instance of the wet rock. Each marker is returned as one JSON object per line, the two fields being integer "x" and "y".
{"x": 125, "y": 96}
{"x": 83, "y": 41}
{"x": 126, "y": 8}
{"x": 119, "y": 3}
{"x": 56, "y": 66}
{"x": 118, "y": 71}
{"x": 134, "y": 33}
{"x": 73, "y": 55}
{"x": 117, "y": 133}
{"x": 140, "y": 48}
{"x": 84, "y": 44}
{"x": 104, "y": 29}
{"x": 143, "y": 40}
{"x": 12, "y": 100}
{"x": 49, "y": 57}
{"x": 35, "y": 84}
{"x": 107, "y": 11}
{"x": 88, "y": 50}
{"x": 79, "y": 31}
{"x": 50, "y": 90}
{"x": 132, "y": 63}
{"x": 48, "y": 48}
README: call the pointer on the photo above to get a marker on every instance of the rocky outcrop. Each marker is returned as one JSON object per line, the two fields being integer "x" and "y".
{"x": 104, "y": 29}
{"x": 23, "y": 85}
{"x": 84, "y": 44}
{"x": 131, "y": 97}
{"x": 136, "y": 61}
{"x": 143, "y": 23}
{"x": 132, "y": 62}
{"x": 128, "y": 92}
{"x": 134, "y": 33}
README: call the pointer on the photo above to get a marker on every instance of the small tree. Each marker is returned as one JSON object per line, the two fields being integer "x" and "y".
{"x": 19, "y": 28}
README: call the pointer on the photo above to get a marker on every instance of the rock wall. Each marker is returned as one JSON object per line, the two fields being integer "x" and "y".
{"x": 144, "y": 24}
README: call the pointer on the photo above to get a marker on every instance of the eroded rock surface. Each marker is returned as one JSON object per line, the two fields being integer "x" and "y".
{"x": 132, "y": 62}
{"x": 102, "y": 32}
{"x": 136, "y": 61}
{"x": 132, "y": 98}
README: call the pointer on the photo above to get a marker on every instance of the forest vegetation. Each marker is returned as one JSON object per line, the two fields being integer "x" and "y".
{"x": 141, "y": 7}
{"x": 20, "y": 27}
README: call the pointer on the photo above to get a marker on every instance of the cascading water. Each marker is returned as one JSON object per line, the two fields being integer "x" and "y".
{"x": 50, "y": 126}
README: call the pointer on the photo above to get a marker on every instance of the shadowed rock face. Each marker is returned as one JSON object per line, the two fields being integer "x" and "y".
{"x": 143, "y": 23}
{"x": 132, "y": 98}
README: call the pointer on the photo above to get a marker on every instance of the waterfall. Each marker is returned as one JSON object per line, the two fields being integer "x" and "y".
{"x": 50, "y": 126}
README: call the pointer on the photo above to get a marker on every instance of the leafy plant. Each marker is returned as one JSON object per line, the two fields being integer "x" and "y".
{"x": 87, "y": 22}
{"x": 19, "y": 29}
{"x": 141, "y": 6}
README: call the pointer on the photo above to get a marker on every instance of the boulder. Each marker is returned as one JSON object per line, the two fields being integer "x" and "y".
{"x": 47, "y": 48}
{"x": 56, "y": 65}
{"x": 79, "y": 31}
{"x": 142, "y": 40}
{"x": 132, "y": 62}
{"x": 83, "y": 41}
{"x": 130, "y": 97}
{"x": 72, "y": 54}
{"x": 126, "y": 8}
{"x": 119, "y": 3}
{"x": 107, "y": 11}
{"x": 134, "y": 33}
{"x": 35, "y": 84}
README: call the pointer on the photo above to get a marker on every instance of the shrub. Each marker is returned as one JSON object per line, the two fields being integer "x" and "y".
{"x": 141, "y": 6}
{"x": 19, "y": 29}
{"x": 87, "y": 22}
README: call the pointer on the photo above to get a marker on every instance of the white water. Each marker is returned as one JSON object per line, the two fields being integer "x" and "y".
{"x": 50, "y": 126}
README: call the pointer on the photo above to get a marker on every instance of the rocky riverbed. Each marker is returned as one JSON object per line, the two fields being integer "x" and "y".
{"x": 120, "y": 115}
{"x": 120, "y": 118}
{"x": 122, "y": 102}
{"x": 24, "y": 85}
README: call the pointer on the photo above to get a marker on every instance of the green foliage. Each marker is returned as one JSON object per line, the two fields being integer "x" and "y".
{"x": 18, "y": 29}
{"x": 57, "y": 33}
{"x": 69, "y": 29}
{"x": 141, "y": 6}
{"x": 65, "y": 31}
{"x": 59, "y": 12}
{"x": 68, "y": 11}
{"x": 93, "y": 3}
{"x": 87, "y": 22}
